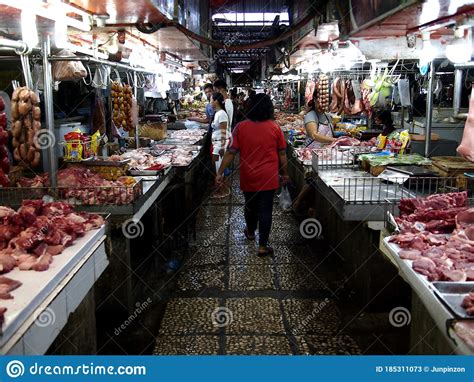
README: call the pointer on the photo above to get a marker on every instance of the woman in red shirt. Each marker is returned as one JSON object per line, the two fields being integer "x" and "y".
{"x": 262, "y": 148}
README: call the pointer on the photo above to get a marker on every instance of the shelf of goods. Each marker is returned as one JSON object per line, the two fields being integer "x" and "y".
{"x": 42, "y": 304}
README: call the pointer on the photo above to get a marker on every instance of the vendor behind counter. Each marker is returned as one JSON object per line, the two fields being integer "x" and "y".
{"x": 384, "y": 119}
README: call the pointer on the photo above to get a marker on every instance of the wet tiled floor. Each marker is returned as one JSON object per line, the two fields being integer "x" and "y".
{"x": 228, "y": 300}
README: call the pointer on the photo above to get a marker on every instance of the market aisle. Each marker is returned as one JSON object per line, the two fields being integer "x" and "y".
{"x": 229, "y": 301}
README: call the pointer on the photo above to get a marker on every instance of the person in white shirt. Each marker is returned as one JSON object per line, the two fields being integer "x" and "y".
{"x": 221, "y": 134}
{"x": 221, "y": 87}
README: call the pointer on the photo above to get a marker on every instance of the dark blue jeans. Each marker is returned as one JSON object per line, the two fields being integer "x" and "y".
{"x": 258, "y": 212}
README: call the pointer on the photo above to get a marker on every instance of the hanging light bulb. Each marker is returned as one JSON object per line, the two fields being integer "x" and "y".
{"x": 113, "y": 47}
{"x": 460, "y": 49}
{"x": 60, "y": 33}
{"x": 29, "y": 33}
{"x": 428, "y": 51}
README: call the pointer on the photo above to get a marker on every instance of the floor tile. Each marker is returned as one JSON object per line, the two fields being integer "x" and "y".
{"x": 296, "y": 254}
{"x": 247, "y": 254}
{"x": 251, "y": 277}
{"x": 257, "y": 345}
{"x": 299, "y": 277}
{"x": 207, "y": 277}
{"x": 255, "y": 316}
{"x": 200, "y": 255}
{"x": 186, "y": 345}
{"x": 327, "y": 345}
{"x": 189, "y": 316}
{"x": 312, "y": 315}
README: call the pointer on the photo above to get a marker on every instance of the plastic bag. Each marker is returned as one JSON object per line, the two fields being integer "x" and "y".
{"x": 404, "y": 91}
{"x": 68, "y": 70}
{"x": 285, "y": 199}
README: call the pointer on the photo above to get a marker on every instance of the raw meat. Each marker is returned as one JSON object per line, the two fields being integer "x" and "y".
{"x": 425, "y": 266}
{"x": 42, "y": 263}
{"x": 345, "y": 141}
{"x": 420, "y": 223}
{"x": 468, "y": 304}
{"x": 7, "y": 263}
{"x": 456, "y": 275}
{"x": 88, "y": 187}
{"x": 465, "y": 218}
{"x": 465, "y": 331}
{"x": 6, "y": 286}
{"x": 466, "y": 148}
{"x": 410, "y": 254}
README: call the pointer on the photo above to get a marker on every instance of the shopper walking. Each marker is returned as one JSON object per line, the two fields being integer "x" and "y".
{"x": 220, "y": 138}
{"x": 262, "y": 148}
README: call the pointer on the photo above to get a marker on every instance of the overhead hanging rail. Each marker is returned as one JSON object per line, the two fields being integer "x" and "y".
{"x": 116, "y": 65}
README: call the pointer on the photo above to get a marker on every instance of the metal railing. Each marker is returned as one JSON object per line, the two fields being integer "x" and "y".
{"x": 338, "y": 157}
{"x": 370, "y": 190}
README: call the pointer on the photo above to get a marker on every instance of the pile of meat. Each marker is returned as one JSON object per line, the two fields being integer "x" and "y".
{"x": 33, "y": 235}
{"x": 346, "y": 97}
{"x": 437, "y": 234}
{"x": 84, "y": 186}
{"x": 187, "y": 134}
{"x": 304, "y": 154}
{"x": 468, "y": 304}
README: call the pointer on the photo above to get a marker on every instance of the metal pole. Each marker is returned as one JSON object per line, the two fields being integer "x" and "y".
{"x": 18, "y": 45}
{"x": 135, "y": 92}
{"x": 429, "y": 110}
{"x": 467, "y": 65}
{"x": 457, "y": 91}
{"x": 98, "y": 61}
{"x": 51, "y": 162}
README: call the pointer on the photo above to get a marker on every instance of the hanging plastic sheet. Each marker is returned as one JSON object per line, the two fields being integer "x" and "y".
{"x": 404, "y": 92}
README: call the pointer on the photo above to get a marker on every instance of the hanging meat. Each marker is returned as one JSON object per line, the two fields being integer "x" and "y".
{"x": 4, "y": 161}
{"x": 26, "y": 116}
{"x": 466, "y": 148}
{"x": 309, "y": 90}
{"x": 122, "y": 104}
{"x": 335, "y": 96}
{"x": 322, "y": 96}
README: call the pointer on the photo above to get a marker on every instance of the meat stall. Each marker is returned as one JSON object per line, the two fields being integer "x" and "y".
{"x": 53, "y": 259}
{"x": 86, "y": 161}
{"x": 429, "y": 242}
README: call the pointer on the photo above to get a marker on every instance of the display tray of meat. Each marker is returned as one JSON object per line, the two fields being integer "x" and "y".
{"x": 40, "y": 243}
{"x": 77, "y": 185}
{"x": 458, "y": 297}
{"x": 437, "y": 236}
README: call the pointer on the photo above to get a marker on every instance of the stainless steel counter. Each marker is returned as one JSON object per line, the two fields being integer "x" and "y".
{"x": 424, "y": 289}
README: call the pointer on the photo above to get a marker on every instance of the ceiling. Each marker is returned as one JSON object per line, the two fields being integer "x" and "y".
{"x": 233, "y": 33}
